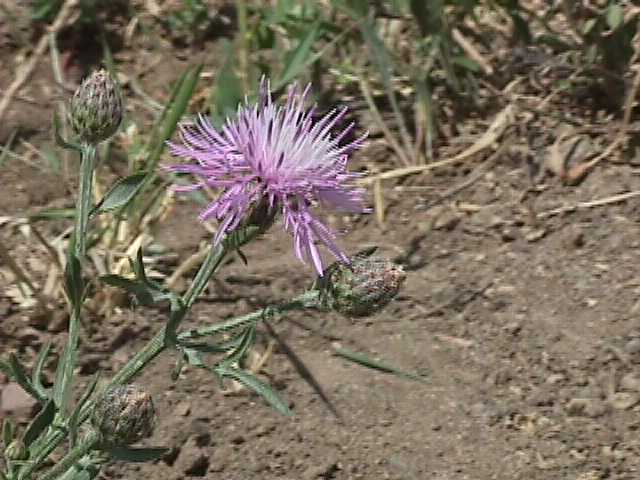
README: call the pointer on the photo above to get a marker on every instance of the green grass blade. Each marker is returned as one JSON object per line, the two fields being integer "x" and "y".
{"x": 366, "y": 361}
{"x": 52, "y": 214}
{"x": 172, "y": 114}
{"x": 224, "y": 98}
{"x": 297, "y": 59}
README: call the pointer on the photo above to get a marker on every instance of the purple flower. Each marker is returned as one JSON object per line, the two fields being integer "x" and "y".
{"x": 281, "y": 155}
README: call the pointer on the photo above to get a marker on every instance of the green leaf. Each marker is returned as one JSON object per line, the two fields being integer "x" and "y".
{"x": 36, "y": 374}
{"x": 366, "y": 361}
{"x": 246, "y": 341}
{"x": 589, "y": 25}
{"x": 18, "y": 373}
{"x": 296, "y": 60}
{"x": 120, "y": 194}
{"x": 191, "y": 356}
{"x": 169, "y": 119}
{"x": 138, "y": 267}
{"x": 73, "y": 282}
{"x": 40, "y": 423}
{"x": 74, "y": 420}
{"x": 138, "y": 454}
{"x": 615, "y": 16}
{"x": 466, "y": 62}
{"x": 53, "y": 214}
{"x": 6, "y": 369}
{"x": 224, "y": 98}
{"x": 8, "y": 431}
{"x": 250, "y": 381}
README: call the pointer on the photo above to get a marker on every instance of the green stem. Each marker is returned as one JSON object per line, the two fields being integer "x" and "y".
{"x": 70, "y": 459}
{"x": 306, "y": 300}
{"x": 64, "y": 375}
{"x": 83, "y": 204}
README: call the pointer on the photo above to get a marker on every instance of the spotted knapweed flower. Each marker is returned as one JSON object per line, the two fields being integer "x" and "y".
{"x": 281, "y": 156}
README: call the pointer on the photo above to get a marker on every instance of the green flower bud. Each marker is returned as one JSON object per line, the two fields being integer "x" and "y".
{"x": 16, "y": 451}
{"x": 364, "y": 287}
{"x": 96, "y": 108}
{"x": 124, "y": 415}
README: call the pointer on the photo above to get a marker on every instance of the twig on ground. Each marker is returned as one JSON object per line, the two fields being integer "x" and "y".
{"x": 585, "y": 205}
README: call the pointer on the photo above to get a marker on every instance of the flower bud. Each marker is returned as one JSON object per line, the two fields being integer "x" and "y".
{"x": 96, "y": 108}
{"x": 364, "y": 287}
{"x": 124, "y": 415}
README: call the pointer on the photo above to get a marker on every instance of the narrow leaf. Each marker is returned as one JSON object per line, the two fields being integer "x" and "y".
{"x": 18, "y": 373}
{"x": 138, "y": 454}
{"x": 8, "y": 431}
{"x": 36, "y": 374}
{"x": 170, "y": 118}
{"x": 53, "y": 214}
{"x": 120, "y": 193}
{"x": 226, "y": 95}
{"x": 296, "y": 61}
{"x": 615, "y": 16}
{"x": 246, "y": 340}
{"x": 73, "y": 283}
{"x": 262, "y": 389}
{"x": 366, "y": 361}
{"x": 40, "y": 423}
{"x": 74, "y": 420}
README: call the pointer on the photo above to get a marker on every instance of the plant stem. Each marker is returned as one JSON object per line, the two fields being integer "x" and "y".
{"x": 64, "y": 375}
{"x": 89, "y": 443}
{"x": 83, "y": 204}
{"x": 306, "y": 300}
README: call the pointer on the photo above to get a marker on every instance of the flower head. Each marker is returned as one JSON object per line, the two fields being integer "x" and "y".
{"x": 363, "y": 288}
{"x": 123, "y": 415}
{"x": 96, "y": 108}
{"x": 279, "y": 156}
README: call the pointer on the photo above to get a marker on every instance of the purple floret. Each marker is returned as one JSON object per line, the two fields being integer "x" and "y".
{"x": 280, "y": 154}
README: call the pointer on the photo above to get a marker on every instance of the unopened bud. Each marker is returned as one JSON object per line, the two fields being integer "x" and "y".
{"x": 124, "y": 415}
{"x": 364, "y": 287}
{"x": 96, "y": 108}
